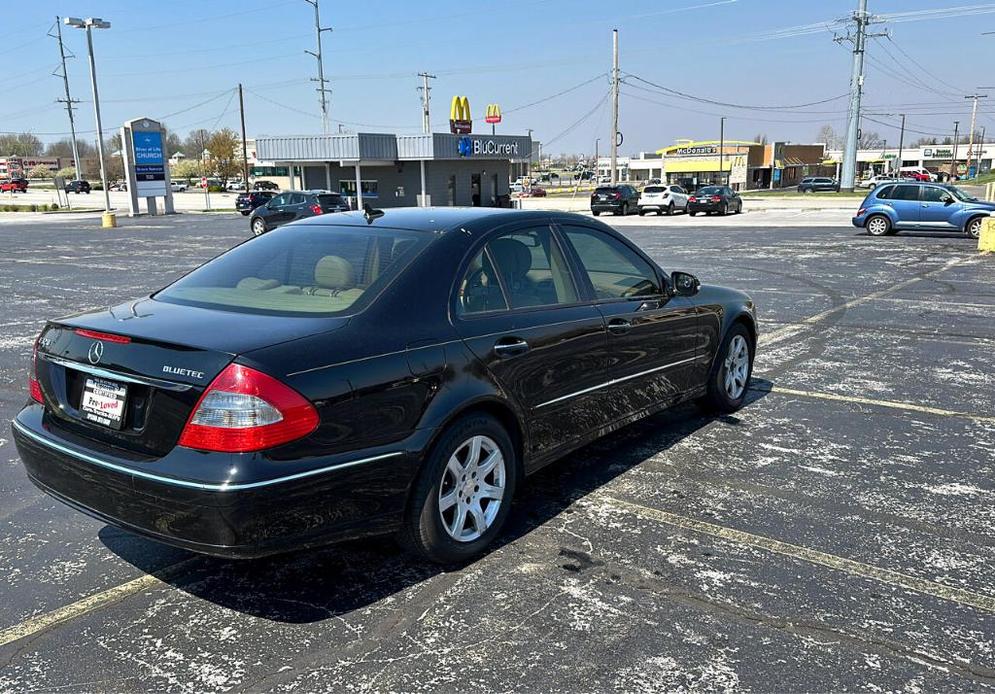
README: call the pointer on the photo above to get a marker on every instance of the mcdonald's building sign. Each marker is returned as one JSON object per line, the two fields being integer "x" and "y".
{"x": 460, "y": 122}
{"x": 493, "y": 114}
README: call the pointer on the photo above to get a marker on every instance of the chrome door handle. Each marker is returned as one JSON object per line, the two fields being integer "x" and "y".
{"x": 619, "y": 326}
{"x": 650, "y": 305}
{"x": 510, "y": 347}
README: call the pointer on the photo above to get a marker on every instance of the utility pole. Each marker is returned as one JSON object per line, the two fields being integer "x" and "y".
{"x": 68, "y": 101}
{"x": 901, "y": 144}
{"x": 322, "y": 90}
{"x": 245, "y": 154}
{"x": 426, "y": 118}
{"x": 614, "y": 150}
{"x": 953, "y": 156}
{"x": 862, "y": 19}
{"x": 722, "y": 146}
{"x": 974, "y": 116}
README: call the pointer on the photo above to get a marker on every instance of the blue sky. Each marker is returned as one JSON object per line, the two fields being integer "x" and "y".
{"x": 180, "y": 60}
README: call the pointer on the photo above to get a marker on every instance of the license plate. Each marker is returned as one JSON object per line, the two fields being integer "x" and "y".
{"x": 103, "y": 402}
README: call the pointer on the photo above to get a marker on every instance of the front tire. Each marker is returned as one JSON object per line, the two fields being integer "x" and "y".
{"x": 878, "y": 225}
{"x": 973, "y": 227}
{"x": 258, "y": 226}
{"x": 595, "y": 212}
{"x": 462, "y": 496}
{"x": 729, "y": 379}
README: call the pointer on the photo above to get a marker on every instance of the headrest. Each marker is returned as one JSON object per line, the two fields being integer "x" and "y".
{"x": 513, "y": 257}
{"x": 334, "y": 272}
{"x": 256, "y": 283}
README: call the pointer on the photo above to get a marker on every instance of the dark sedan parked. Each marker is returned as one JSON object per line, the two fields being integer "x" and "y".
{"x": 246, "y": 202}
{"x": 289, "y": 207}
{"x": 359, "y": 374}
{"x": 78, "y": 186}
{"x": 715, "y": 200}
{"x": 816, "y": 184}
{"x": 621, "y": 199}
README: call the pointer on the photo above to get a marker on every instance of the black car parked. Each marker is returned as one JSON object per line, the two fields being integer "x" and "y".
{"x": 246, "y": 202}
{"x": 291, "y": 206}
{"x": 77, "y": 186}
{"x": 715, "y": 200}
{"x": 817, "y": 184}
{"x": 357, "y": 374}
{"x": 620, "y": 199}
{"x": 265, "y": 185}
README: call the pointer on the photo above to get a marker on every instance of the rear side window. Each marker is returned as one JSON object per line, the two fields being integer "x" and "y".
{"x": 480, "y": 289}
{"x": 300, "y": 271}
{"x": 905, "y": 193}
{"x": 615, "y": 270}
{"x": 532, "y": 268}
{"x": 885, "y": 193}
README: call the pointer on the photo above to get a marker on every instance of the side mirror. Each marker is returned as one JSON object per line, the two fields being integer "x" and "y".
{"x": 684, "y": 283}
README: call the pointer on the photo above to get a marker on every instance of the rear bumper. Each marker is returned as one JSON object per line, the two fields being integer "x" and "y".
{"x": 858, "y": 221}
{"x": 704, "y": 207}
{"x": 365, "y": 497}
{"x": 606, "y": 206}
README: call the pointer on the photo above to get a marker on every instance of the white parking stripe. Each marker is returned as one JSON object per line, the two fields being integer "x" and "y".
{"x": 892, "y": 404}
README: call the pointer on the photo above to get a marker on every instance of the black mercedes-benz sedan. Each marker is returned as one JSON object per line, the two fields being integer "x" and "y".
{"x": 367, "y": 373}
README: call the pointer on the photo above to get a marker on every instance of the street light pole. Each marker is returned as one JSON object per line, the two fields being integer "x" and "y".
{"x": 953, "y": 155}
{"x": 722, "y": 146}
{"x": 91, "y": 23}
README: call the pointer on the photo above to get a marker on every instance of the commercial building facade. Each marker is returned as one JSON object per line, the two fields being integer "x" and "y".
{"x": 934, "y": 158}
{"x": 388, "y": 170}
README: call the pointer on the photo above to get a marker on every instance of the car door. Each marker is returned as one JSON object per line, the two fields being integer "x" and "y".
{"x": 936, "y": 207}
{"x": 679, "y": 196}
{"x": 520, "y": 311}
{"x": 904, "y": 200}
{"x": 275, "y": 211}
{"x": 652, "y": 336}
{"x": 297, "y": 207}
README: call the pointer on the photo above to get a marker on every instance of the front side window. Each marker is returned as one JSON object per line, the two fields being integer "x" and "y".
{"x": 302, "y": 271}
{"x": 934, "y": 194}
{"x": 615, "y": 270}
{"x": 531, "y": 268}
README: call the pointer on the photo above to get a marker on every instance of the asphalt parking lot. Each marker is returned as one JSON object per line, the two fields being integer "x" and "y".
{"x": 837, "y": 533}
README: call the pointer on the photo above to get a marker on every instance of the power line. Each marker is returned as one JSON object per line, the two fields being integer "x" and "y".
{"x": 705, "y": 100}
{"x": 570, "y": 128}
{"x": 557, "y": 94}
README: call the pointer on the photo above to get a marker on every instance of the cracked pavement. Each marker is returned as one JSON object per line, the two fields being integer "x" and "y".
{"x": 809, "y": 542}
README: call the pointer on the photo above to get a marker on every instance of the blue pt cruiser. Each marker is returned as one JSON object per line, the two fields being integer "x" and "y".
{"x": 893, "y": 207}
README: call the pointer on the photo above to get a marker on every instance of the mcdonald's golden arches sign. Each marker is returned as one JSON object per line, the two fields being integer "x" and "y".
{"x": 493, "y": 113}
{"x": 460, "y": 122}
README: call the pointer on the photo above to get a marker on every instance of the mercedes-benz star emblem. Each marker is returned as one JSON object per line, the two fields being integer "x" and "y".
{"x": 96, "y": 351}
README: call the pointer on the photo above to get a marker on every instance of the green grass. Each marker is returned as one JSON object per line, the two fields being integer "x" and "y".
{"x": 979, "y": 181}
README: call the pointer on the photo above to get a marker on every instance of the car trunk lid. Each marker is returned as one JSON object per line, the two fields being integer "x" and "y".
{"x": 130, "y": 376}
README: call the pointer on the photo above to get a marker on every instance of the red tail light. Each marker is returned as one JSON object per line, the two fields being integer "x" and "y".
{"x": 861, "y": 211}
{"x": 316, "y": 209}
{"x": 692, "y": 199}
{"x": 716, "y": 198}
{"x": 246, "y": 410}
{"x": 33, "y": 386}
{"x": 106, "y": 337}
{"x": 617, "y": 196}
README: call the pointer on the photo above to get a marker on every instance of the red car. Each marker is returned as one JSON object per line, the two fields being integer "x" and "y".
{"x": 915, "y": 175}
{"x": 14, "y": 185}
{"x": 536, "y": 192}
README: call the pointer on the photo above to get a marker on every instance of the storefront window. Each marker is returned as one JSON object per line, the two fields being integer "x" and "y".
{"x": 348, "y": 188}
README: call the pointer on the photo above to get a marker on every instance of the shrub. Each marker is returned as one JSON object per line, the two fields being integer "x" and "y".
{"x": 33, "y": 207}
{"x": 53, "y": 207}
{"x": 215, "y": 189}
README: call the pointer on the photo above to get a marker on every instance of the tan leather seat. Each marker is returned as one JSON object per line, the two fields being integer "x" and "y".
{"x": 256, "y": 283}
{"x": 333, "y": 274}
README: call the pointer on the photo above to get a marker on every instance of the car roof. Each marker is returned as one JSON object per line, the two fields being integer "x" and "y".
{"x": 440, "y": 218}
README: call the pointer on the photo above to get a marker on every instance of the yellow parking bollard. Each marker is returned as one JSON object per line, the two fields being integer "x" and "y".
{"x": 108, "y": 220}
{"x": 986, "y": 241}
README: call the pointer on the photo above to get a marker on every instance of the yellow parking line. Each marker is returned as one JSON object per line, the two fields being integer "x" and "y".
{"x": 38, "y": 623}
{"x": 893, "y": 404}
{"x": 793, "y": 329}
{"x": 849, "y": 566}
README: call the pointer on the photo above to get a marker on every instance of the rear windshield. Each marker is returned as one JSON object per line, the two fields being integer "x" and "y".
{"x": 300, "y": 271}
{"x": 655, "y": 189}
{"x": 710, "y": 190}
{"x": 326, "y": 199}
{"x": 604, "y": 189}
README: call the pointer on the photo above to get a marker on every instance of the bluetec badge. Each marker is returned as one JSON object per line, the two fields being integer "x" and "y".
{"x": 465, "y": 146}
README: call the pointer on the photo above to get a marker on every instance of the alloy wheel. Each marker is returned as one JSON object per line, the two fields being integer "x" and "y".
{"x": 472, "y": 488}
{"x": 737, "y": 367}
{"x": 877, "y": 226}
{"x": 258, "y": 227}
{"x": 974, "y": 228}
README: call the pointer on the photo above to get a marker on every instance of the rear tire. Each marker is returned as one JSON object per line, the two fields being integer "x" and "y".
{"x": 878, "y": 225}
{"x": 438, "y": 512}
{"x": 244, "y": 213}
{"x": 729, "y": 379}
{"x": 725, "y": 210}
{"x": 642, "y": 212}
{"x": 691, "y": 213}
{"x": 595, "y": 212}
{"x": 670, "y": 209}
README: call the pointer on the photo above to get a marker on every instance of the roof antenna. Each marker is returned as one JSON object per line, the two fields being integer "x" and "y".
{"x": 371, "y": 213}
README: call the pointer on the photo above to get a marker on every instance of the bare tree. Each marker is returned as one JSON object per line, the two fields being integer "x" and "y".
{"x": 827, "y": 134}
{"x": 20, "y": 145}
{"x": 195, "y": 143}
{"x": 760, "y": 138}
{"x": 869, "y": 140}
